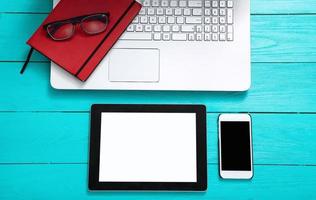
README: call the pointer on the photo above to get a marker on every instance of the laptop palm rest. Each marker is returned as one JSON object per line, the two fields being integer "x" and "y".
{"x": 143, "y": 65}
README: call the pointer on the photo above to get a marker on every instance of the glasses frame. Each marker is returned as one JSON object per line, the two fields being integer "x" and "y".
{"x": 74, "y": 22}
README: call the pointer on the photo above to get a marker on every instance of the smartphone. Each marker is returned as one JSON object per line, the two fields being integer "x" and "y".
{"x": 235, "y": 146}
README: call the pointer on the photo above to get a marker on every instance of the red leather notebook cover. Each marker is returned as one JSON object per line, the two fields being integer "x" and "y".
{"x": 81, "y": 54}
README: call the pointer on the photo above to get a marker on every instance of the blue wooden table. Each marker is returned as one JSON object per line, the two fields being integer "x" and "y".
{"x": 44, "y": 132}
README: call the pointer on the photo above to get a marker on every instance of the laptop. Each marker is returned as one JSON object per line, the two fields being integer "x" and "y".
{"x": 183, "y": 45}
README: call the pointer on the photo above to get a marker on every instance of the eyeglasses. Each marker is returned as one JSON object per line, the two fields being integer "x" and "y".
{"x": 91, "y": 25}
{"x": 63, "y": 30}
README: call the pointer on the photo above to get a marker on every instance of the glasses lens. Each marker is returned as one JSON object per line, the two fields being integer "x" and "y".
{"x": 95, "y": 24}
{"x": 60, "y": 31}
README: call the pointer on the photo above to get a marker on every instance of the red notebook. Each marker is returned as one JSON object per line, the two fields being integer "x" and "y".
{"x": 81, "y": 54}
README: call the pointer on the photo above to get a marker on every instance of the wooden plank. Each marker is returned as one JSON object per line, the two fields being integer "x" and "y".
{"x": 283, "y": 7}
{"x": 70, "y": 182}
{"x": 274, "y": 38}
{"x": 275, "y": 88}
{"x": 257, "y": 6}
{"x": 63, "y": 138}
{"x": 32, "y": 6}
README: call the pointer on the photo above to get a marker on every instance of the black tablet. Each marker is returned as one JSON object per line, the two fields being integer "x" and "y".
{"x": 148, "y": 147}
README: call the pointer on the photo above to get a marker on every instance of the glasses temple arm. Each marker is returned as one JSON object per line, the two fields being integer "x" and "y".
{"x": 27, "y": 61}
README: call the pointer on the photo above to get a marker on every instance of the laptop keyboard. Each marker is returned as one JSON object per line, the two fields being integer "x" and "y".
{"x": 183, "y": 20}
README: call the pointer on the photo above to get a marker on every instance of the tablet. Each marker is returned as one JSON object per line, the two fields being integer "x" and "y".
{"x": 148, "y": 147}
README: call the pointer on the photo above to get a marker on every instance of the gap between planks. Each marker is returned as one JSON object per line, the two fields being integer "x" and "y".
{"x": 47, "y": 62}
{"x": 252, "y": 14}
{"x": 208, "y": 112}
{"x": 86, "y": 163}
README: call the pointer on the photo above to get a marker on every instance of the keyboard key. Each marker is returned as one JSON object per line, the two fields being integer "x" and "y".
{"x": 155, "y": 3}
{"x": 214, "y": 28}
{"x": 207, "y": 29}
{"x": 166, "y": 28}
{"x": 186, "y": 12}
{"x": 164, "y": 3}
{"x": 142, "y": 11}
{"x": 130, "y": 28}
{"x": 187, "y": 28}
{"x": 230, "y": 37}
{"x": 162, "y": 20}
{"x": 229, "y": 16}
{"x": 214, "y": 4}
{"x": 191, "y": 37}
{"x": 169, "y": 11}
{"x": 152, "y": 20}
{"x": 136, "y": 20}
{"x": 178, "y": 11}
{"x": 229, "y": 28}
{"x": 136, "y": 36}
{"x": 199, "y": 37}
{"x": 195, "y": 4}
{"x": 207, "y": 20}
{"x": 166, "y": 36}
{"x": 222, "y": 29}
{"x": 151, "y": 11}
{"x": 193, "y": 20}
{"x": 222, "y": 12}
{"x": 222, "y": 4}
{"x": 207, "y": 12}
{"x": 214, "y": 37}
{"x": 182, "y": 4}
{"x": 222, "y": 20}
{"x": 143, "y": 19}
{"x": 146, "y": 3}
{"x": 230, "y": 4}
{"x": 139, "y": 28}
{"x": 175, "y": 28}
{"x": 222, "y": 37}
{"x": 207, "y": 37}
{"x": 173, "y": 3}
{"x": 157, "y": 36}
{"x": 157, "y": 28}
{"x": 199, "y": 29}
{"x": 171, "y": 20}
{"x": 148, "y": 28}
{"x": 214, "y": 20}
{"x": 214, "y": 12}
{"x": 207, "y": 4}
{"x": 179, "y": 36}
{"x": 159, "y": 11}
{"x": 197, "y": 12}
{"x": 180, "y": 20}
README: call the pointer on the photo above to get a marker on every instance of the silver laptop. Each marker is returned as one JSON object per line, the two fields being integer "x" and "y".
{"x": 195, "y": 45}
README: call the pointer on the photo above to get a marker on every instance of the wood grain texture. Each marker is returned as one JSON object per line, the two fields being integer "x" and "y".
{"x": 283, "y": 38}
{"x": 66, "y": 181}
{"x": 275, "y": 88}
{"x": 33, "y": 6}
{"x": 63, "y": 138}
{"x": 257, "y": 6}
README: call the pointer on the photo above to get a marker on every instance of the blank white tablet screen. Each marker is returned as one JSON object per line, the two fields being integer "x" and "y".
{"x": 148, "y": 147}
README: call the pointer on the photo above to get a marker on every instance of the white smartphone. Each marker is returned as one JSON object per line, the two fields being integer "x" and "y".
{"x": 235, "y": 146}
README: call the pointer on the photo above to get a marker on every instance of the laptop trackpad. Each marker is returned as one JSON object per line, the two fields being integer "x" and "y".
{"x": 134, "y": 65}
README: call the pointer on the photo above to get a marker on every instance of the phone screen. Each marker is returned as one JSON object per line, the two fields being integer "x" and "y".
{"x": 235, "y": 146}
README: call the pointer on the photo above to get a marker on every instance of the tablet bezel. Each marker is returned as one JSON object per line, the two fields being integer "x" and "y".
{"x": 95, "y": 134}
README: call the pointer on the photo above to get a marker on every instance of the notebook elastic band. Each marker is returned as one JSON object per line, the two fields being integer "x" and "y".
{"x": 27, "y": 61}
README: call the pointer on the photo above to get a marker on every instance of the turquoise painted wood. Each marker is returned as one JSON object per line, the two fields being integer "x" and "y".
{"x": 257, "y": 6}
{"x": 275, "y": 140}
{"x": 280, "y": 38}
{"x": 275, "y": 88}
{"x": 44, "y": 132}
{"x": 69, "y": 181}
